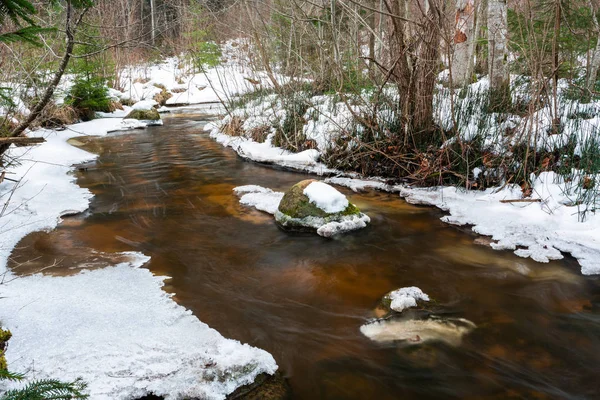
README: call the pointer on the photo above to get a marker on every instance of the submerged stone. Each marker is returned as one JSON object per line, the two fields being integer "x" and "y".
{"x": 312, "y": 205}
{"x": 411, "y": 332}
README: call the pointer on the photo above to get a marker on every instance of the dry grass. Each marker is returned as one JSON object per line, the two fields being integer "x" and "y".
{"x": 260, "y": 133}
{"x": 54, "y": 116}
{"x": 162, "y": 97}
{"x": 233, "y": 127}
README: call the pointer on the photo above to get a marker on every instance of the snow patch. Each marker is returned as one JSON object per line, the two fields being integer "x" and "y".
{"x": 261, "y": 198}
{"x": 326, "y": 197}
{"x": 119, "y": 331}
{"x": 406, "y": 297}
{"x": 145, "y": 105}
{"x": 347, "y": 224}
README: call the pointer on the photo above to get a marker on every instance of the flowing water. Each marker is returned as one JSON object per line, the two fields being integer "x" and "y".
{"x": 167, "y": 192}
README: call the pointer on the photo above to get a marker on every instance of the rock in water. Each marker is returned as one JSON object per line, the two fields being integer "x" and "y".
{"x": 145, "y": 111}
{"x": 418, "y": 331}
{"x": 314, "y": 205}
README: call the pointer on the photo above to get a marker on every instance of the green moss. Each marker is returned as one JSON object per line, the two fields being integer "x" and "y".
{"x": 5, "y": 336}
{"x": 296, "y": 204}
{"x": 149, "y": 115}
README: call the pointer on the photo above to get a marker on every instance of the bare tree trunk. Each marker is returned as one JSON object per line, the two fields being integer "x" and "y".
{"x": 594, "y": 65}
{"x": 473, "y": 42}
{"x": 463, "y": 42}
{"x": 555, "y": 66}
{"x": 497, "y": 47}
{"x": 152, "y": 22}
{"x": 371, "y": 22}
{"x": 426, "y": 69}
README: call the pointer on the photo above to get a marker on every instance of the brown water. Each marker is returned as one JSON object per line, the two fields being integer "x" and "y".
{"x": 167, "y": 192}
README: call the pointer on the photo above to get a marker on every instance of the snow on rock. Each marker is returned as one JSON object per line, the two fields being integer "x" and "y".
{"x": 261, "y": 198}
{"x": 326, "y": 197}
{"x": 347, "y": 224}
{"x": 406, "y": 297}
{"x": 540, "y": 230}
{"x": 119, "y": 331}
{"x": 145, "y": 105}
{"x": 115, "y": 327}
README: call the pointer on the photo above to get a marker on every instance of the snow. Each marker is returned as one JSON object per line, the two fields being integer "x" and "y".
{"x": 115, "y": 327}
{"x": 145, "y": 105}
{"x": 261, "y": 198}
{"x": 266, "y": 153}
{"x": 406, "y": 297}
{"x": 359, "y": 185}
{"x": 347, "y": 224}
{"x": 119, "y": 331}
{"x": 326, "y": 197}
{"x": 540, "y": 230}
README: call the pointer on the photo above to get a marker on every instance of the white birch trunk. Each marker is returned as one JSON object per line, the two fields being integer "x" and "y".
{"x": 595, "y": 59}
{"x": 497, "y": 46}
{"x": 152, "y": 22}
{"x": 464, "y": 39}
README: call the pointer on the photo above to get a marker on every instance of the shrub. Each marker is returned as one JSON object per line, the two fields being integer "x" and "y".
{"x": 88, "y": 95}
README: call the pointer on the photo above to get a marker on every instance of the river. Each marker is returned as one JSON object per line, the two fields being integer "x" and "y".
{"x": 167, "y": 192}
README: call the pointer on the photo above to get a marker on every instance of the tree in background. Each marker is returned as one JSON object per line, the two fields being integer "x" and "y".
{"x": 498, "y": 55}
{"x": 464, "y": 43}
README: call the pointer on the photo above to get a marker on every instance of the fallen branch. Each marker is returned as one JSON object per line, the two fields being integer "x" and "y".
{"x": 522, "y": 201}
{"x": 22, "y": 140}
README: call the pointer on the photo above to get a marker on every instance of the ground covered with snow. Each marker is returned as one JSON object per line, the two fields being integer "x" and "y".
{"x": 114, "y": 327}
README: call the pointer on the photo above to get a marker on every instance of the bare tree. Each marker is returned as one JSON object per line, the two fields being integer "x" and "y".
{"x": 498, "y": 53}
{"x": 464, "y": 39}
{"x": 594, "y": 66}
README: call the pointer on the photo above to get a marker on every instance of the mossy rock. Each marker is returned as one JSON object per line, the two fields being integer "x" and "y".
{"x": 144, "y": 115}
{"x": 264, "y": 387}
{"x": 295, "y": 204}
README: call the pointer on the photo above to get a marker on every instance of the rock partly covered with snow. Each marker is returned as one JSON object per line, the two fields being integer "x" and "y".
{"x": 405, "y": 324}
{"x": 403, "y": 298}
{"x": 313, "y": 205}
{"x": 150, "y": 116}
{"x": 308, "y": 206}
{"x": 145, "y": 105}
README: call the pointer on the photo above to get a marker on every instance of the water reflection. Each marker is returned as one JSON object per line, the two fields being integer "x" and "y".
{"x": 167, "y": 192}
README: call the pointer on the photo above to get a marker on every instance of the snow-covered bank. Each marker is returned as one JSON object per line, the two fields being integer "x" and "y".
{"x": 114, "y": 327}
{"x": 267, "y": 153}
{"x": 540, "y": 230}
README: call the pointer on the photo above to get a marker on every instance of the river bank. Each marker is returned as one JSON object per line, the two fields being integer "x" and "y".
{"x": 112, "y": 325}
